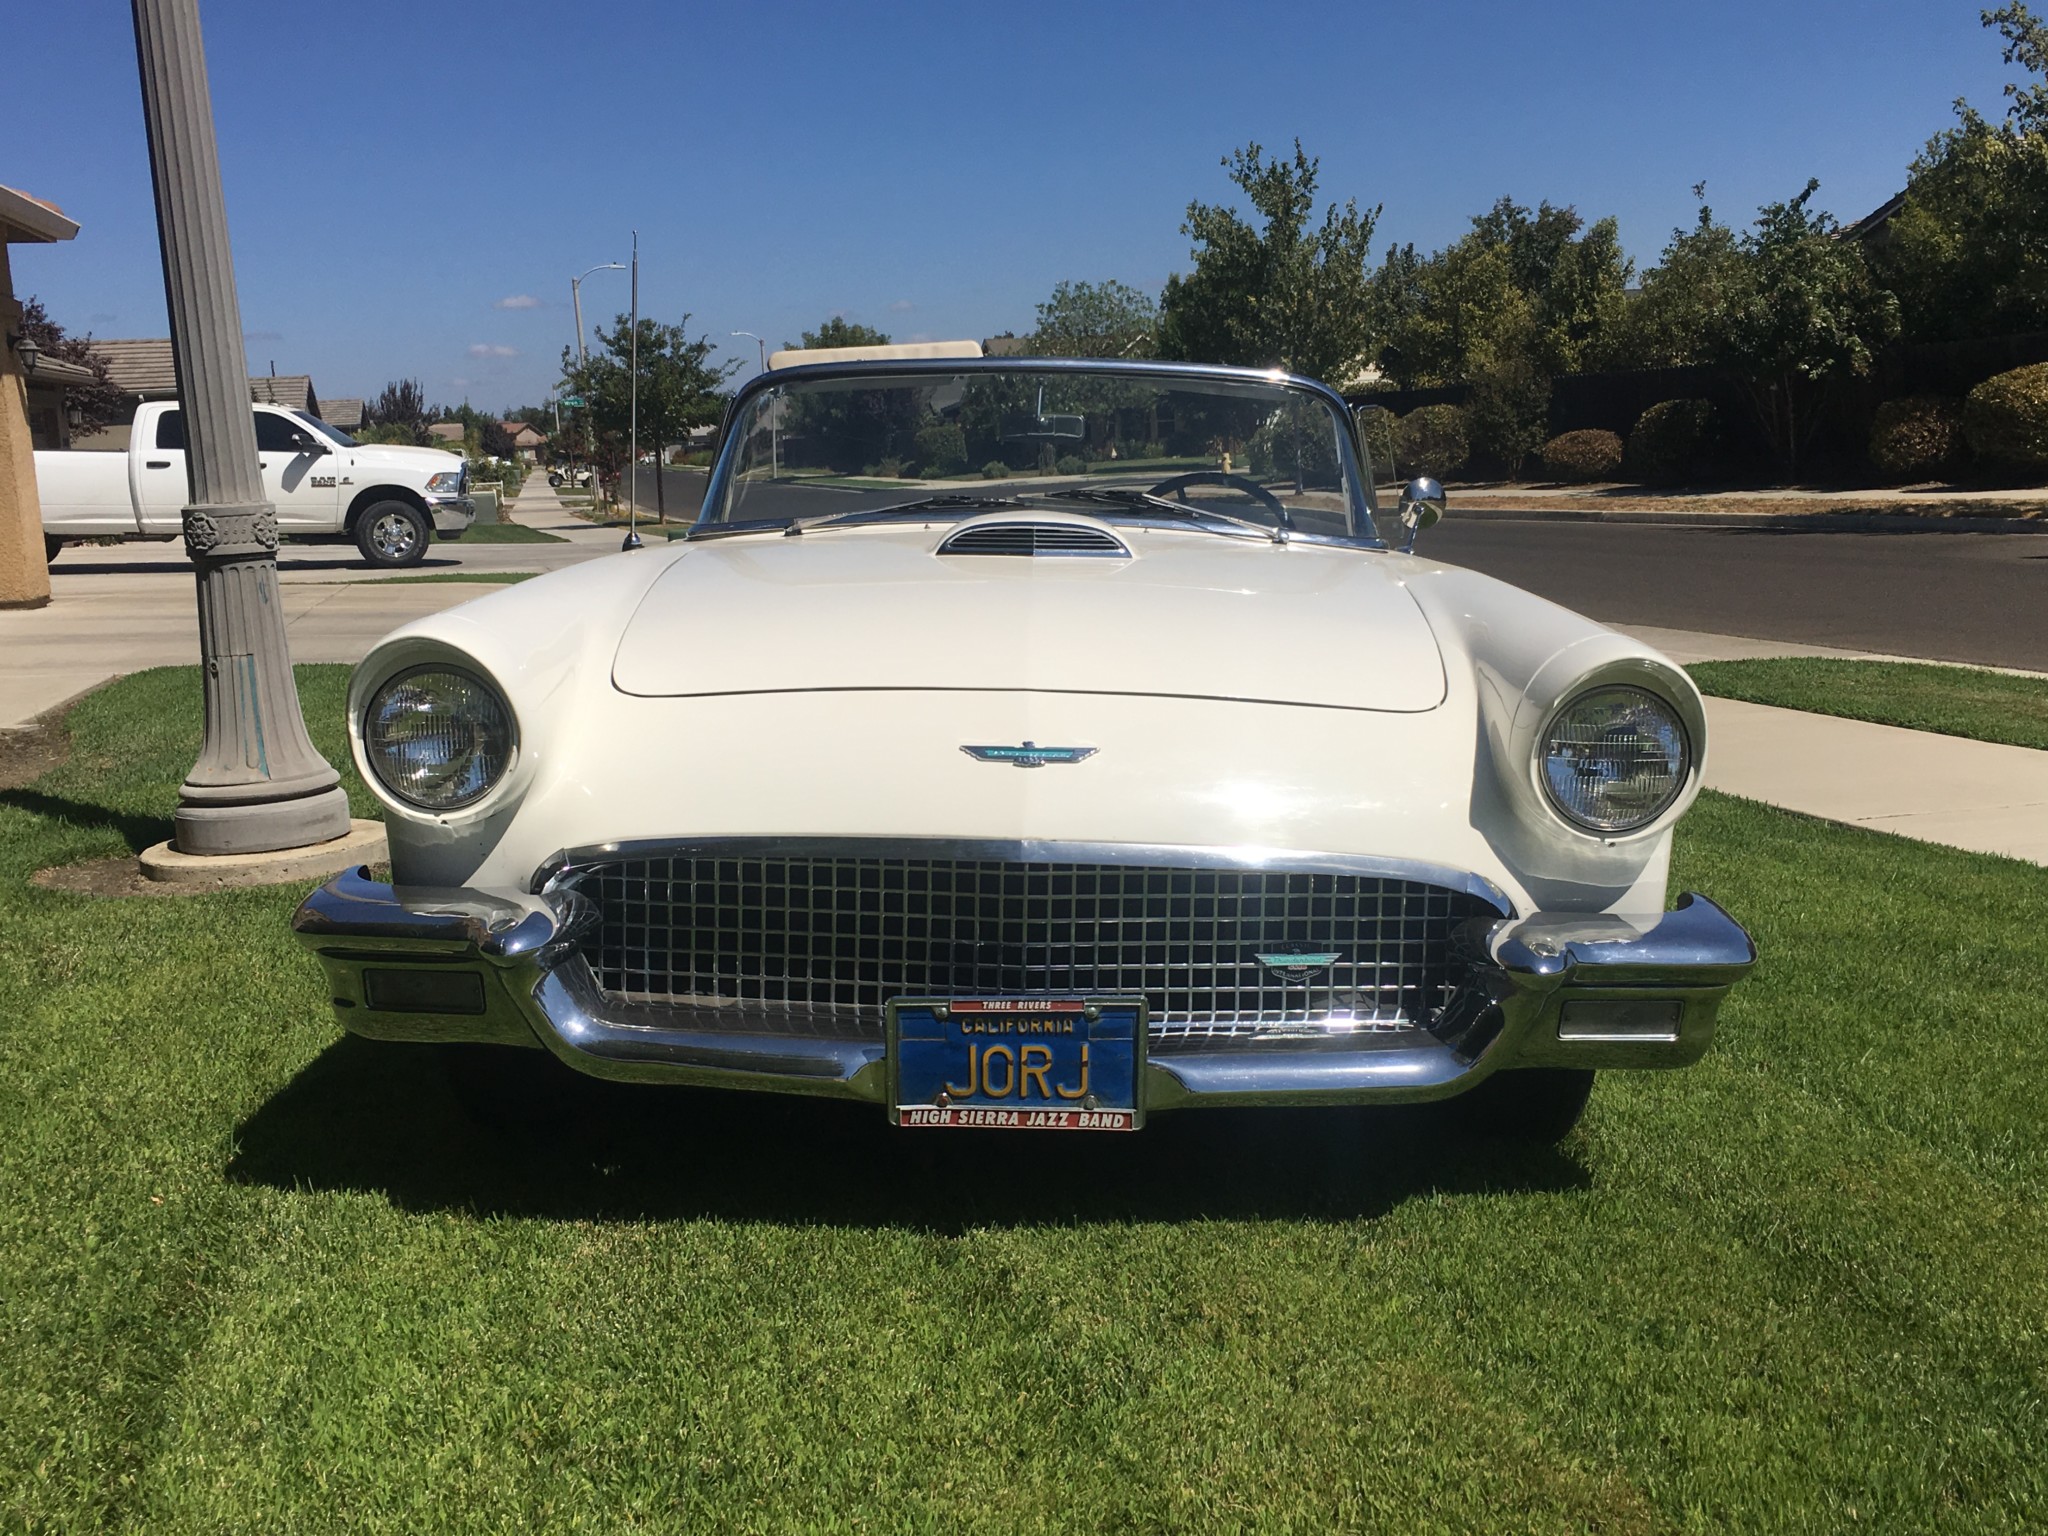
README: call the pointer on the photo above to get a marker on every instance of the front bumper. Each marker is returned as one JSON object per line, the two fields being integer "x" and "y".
{"x": 451, "y": 514}
{"x": 1550, "y": 990}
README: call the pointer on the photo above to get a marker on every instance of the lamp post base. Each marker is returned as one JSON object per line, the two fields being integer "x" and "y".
{"x": 211, "y": 828}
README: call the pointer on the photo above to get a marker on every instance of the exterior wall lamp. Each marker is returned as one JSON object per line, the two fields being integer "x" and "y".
{"x": 25, "y": 349}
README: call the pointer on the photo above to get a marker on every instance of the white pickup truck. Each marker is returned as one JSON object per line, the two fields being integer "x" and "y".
{"x": 390, "y": 500}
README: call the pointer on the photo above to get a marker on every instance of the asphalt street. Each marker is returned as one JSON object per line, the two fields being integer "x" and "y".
{"x": 1975, "y": 597}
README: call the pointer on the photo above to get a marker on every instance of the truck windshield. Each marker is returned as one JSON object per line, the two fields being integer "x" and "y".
{"x": 325, "y": 429}
{"x": 1122, "y": 442}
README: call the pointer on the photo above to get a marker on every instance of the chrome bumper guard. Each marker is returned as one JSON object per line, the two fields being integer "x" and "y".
{"x": 451, "y": 514}
{"x": 1552, "y": 990}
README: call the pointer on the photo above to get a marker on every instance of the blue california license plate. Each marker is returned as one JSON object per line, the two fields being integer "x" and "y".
{"x": 1017, "y": 1063}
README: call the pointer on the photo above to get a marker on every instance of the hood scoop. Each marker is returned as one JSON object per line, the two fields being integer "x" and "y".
{"x": 1035, "y": 539}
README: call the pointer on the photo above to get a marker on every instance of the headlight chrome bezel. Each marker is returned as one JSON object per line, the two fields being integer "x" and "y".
{"x": 1682, "y": 777}
{"x": 446, "y": 482}
{"x": 371, "y": 747}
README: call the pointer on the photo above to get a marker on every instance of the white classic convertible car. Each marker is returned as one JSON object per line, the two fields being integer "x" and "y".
{"x": 1037, "y": 744}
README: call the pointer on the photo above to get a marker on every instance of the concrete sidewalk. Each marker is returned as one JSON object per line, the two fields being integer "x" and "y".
{"x": 1937, "y": 789}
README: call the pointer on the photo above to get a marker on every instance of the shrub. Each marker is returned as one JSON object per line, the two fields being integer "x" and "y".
{"x": 995, "y": 469}
{"x": 888, "y": 469}
{"x": 1916, "y": 438}
{"x": 1432, "y": 441}
{"x": 1672, "y": 442}
{"x": 1588, "y": 454}
{"x": 2005, "y": 418}
{"x": 941, "y": 448}
{"x": 1073, "y": 464}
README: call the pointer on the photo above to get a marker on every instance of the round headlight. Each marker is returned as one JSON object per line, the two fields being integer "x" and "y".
{"x": 437, "y": 738}
{"x": 1614, "y": 758}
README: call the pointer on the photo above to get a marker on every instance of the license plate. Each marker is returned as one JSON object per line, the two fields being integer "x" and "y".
{"x": 1017, "y": 1063}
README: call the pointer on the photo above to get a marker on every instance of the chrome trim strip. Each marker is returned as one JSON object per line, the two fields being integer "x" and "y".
{"x": 1025, "y": 851}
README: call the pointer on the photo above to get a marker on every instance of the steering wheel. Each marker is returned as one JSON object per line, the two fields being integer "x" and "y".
{"x": 1178, "y": 485}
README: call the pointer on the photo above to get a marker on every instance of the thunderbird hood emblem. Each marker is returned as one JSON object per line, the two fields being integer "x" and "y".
{"x": 1029, "y": 755}
{"x": 1293, "y": 967}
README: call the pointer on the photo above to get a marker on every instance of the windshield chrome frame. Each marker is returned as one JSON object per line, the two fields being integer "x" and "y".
{"x": 1356, "y": 465}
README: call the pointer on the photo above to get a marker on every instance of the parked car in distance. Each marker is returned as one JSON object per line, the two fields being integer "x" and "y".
{"x": 390, "y": 499}
{"x": 1108, "y": 782}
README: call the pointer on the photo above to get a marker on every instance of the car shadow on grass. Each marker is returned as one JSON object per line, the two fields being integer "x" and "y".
{"x": 367, "y": 1117}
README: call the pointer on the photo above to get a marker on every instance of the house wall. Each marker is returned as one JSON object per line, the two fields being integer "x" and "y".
{"x": 24, "y": 572}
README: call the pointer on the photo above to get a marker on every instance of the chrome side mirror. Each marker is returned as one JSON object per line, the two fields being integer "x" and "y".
{"x": 1422, "y": 506}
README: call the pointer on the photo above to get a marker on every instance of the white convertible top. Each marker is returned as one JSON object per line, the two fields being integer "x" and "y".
{"x": 790, "y": 357}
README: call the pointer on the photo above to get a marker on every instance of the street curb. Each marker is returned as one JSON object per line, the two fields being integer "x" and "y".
{"x": 1770, "y": 522}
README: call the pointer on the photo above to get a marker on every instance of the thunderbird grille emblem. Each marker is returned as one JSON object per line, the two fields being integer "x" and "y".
{"x": 1298, "y": 967}
{"x": 1028, "y": 755}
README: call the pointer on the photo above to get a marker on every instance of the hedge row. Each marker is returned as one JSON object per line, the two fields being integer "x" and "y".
{"x": 2002, "y": 424}
{"x": 1671, "y": 444}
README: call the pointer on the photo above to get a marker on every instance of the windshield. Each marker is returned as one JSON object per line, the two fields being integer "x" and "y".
{"x": 327, "y": 430}
{"x": 1124, "y": 446}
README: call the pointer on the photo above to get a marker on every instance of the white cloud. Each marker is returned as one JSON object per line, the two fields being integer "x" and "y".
{"x": 486, "y": 349}
{"x": 518, "y": 301}
{"x": 902, "y": 307}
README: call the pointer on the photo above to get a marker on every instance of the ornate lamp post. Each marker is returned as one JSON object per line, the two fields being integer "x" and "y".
{"x": 259, "y": 785}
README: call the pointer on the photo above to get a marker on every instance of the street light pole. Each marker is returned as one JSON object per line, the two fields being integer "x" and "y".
{"x": 632, "y": 539}
{"x": 576, "y": 303}
{"x": 258, "y": 785}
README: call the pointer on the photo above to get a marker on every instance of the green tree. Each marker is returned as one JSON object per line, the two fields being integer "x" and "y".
{"x": 1670, "y": 322}
{"x": 1464, "y": 315}
{"x": 1801, "y": 314}
{"x": 1293, "y": 294}
{"x": 99, "y": 404}
{"x": 1967, "y": 254}
{"x": 401, "y": 412}
{"x": 837, "y": 331}
{"x": 1109, "y": 319}
{"x": 1573, "y": 275}
{"x": 680, "y": 387}
{"x": 1539, "y": 288}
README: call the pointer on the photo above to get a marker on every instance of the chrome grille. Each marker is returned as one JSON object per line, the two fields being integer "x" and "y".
{"x": 819, "y": 944}
{"x": 1032, "y": 539}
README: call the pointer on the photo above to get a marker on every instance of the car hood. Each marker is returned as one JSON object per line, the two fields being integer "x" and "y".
{"x": 427, "y": 461}
{"x": 1189, "y": 614}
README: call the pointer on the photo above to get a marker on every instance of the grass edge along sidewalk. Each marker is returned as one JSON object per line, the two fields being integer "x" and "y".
{"x": 1972, "y": 702}
{"x": 259, "y": 1276}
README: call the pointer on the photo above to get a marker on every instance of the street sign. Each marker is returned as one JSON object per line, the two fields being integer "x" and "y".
{"x": 572, "y": 401}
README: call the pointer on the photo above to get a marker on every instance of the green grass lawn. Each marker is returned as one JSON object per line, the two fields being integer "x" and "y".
{"x": 258, "y": 1277}
{"x": 508, "y": 533}
{"x": 1956, "y": 701}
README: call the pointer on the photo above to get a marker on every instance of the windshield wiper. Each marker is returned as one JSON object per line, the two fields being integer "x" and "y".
{"x": 1132, "y": 497}
{"x": 923, "y": 503}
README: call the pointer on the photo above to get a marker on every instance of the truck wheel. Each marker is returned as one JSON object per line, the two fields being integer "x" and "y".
{"x": 50, "y": 548}
{"x": 1533, "y": 1104}
{"x": 392, "y": 534}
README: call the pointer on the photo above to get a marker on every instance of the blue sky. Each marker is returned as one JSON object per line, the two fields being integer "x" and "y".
{"x": 411, "y": 186}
